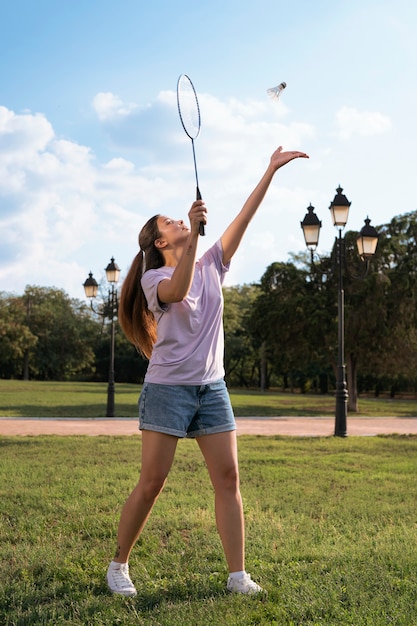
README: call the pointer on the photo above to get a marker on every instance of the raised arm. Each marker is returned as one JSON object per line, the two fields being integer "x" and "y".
{"x": 233, "y": 234}
{"x": 179, "y": 248}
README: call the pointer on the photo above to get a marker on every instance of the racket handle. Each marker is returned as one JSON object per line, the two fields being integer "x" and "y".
{"x": 201, "y": 229}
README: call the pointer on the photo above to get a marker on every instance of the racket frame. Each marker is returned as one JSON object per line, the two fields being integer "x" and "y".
{"x": 192, "y": 135}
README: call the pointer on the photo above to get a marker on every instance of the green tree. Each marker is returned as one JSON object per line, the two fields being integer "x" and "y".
{"x": 240, "y": 355}
{"x": 129, "y": 366}
{"x": 392, "y": 302}
{"x": 16, "y": 339}
{"x": 62, "y": 329}
{"x": 380, "y": 307}
{"x": 281, "y": 323}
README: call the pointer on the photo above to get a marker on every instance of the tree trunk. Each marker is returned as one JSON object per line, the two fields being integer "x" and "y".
{"x": 26, "y": 365}
{"x": 262, "y": 354}
{"x": 352, "y": 383}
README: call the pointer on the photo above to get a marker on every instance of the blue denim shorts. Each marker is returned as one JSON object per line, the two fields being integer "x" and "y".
{"x": 186, "y": 410}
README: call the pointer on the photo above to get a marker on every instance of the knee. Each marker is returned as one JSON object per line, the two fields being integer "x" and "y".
{"x": 151, "y": 488}
{"x": 229, "y": 480}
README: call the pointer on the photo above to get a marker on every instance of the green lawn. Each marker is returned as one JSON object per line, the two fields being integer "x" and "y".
{"x": 68, "y": 399}
{"x": 331, "y": 534}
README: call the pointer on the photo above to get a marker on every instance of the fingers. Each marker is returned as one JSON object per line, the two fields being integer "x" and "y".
{"x": 198, "y": 213}
{"x": 279, "y": 158}
{"x": 293, "y": 154}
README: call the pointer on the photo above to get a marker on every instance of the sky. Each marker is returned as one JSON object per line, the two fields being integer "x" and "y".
{"x": 91, "y": 144}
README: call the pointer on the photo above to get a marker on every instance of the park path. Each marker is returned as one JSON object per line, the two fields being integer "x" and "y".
{"x": 290, "y": 426}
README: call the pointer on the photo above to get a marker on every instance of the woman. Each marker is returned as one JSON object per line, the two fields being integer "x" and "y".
{"x": 171, "y": 309}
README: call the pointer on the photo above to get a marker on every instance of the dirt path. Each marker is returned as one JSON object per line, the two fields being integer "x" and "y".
{"x": 292, "y": 426}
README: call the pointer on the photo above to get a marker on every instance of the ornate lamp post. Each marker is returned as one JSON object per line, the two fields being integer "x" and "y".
{"x": 91, "y": 288}
{"x": 367, "y": 242}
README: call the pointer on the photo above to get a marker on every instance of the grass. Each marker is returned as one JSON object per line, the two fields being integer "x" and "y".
{"x": 331, "y": 534}
{"x": 75, "y": 399}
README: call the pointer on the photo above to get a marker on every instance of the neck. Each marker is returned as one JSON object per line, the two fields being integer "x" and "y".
{"x": 172, "y": 256}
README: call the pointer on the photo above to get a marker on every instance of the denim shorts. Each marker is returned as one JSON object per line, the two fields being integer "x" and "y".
{"x": 186, "y": 410}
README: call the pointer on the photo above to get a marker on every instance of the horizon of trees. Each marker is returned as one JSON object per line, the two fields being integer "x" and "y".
{"x": 279, "y": 333}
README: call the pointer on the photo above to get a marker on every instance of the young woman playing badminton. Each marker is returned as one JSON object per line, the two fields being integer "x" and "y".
{"x": 171, "y": 309}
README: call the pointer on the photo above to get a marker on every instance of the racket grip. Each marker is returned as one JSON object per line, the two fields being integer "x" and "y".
{"x": 201, "y": 230}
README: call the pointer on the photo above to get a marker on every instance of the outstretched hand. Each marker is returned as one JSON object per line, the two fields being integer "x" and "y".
{"x": 280, "y": 158}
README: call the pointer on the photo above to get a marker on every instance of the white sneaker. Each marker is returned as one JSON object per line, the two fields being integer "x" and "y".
{"x": 118, "y": 579}
{"x": 243, "y": 585}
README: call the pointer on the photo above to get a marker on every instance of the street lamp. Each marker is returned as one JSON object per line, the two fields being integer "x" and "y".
{"x": 366, "y": 242}
{"x": 91, "y": 288}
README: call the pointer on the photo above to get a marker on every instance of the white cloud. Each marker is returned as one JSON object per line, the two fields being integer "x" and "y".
{"x": 109, "y": 106}
{"x": 350, "y": 121}
{"x": 22, "y": 138}
{"x": 23, "y": 134}
{"x": 119, "y": 165}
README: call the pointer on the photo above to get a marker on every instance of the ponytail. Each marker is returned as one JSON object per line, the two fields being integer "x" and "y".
{"x": 136, "y": 320}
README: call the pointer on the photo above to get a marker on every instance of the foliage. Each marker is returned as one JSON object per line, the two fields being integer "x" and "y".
{"x": 55, "y": 335}
{"x": 46, "y": 335}
{"x": 297, "y": 313}
{"x": 397, "y": 263}
{"x": 281, "y": 323}
{"x": 323, "y": 549}
{"x": 16, "y": 338}
{"x": 240, "y": 351}
{"x": 129, "y": 365}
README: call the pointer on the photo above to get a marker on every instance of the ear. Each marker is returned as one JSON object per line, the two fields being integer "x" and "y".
{"x": 160, "y": 243}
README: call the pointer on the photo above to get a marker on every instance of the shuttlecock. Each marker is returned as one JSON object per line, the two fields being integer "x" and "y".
{"x": 275, "y": 92}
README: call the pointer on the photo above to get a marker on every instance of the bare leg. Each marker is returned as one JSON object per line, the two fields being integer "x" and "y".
{"x": 158, "y": 452}
{"x": 220, "y": 454}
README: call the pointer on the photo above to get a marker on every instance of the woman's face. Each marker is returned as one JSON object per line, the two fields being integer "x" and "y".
{"x": 173, "y": 231}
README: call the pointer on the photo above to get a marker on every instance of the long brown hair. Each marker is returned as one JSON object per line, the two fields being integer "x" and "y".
{"x": 136, "y": 320}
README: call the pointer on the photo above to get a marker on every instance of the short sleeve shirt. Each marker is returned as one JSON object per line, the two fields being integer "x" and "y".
{"x": 190, "y": 339}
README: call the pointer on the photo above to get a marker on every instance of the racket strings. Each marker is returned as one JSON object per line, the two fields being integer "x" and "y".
{"x": 188, "y": 107}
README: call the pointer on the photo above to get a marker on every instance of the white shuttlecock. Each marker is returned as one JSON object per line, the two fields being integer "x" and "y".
{"x": 275, "y": 92}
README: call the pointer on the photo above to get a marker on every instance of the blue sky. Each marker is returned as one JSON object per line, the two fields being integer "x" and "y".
{"x": 91, "y": 145}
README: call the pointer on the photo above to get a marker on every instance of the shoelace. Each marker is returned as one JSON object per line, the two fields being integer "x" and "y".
{"x": 248, "y": 581}
{"x": 121, "y": 578}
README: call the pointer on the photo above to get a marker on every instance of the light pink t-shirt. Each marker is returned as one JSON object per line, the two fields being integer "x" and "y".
{"x": 190, "y": 346}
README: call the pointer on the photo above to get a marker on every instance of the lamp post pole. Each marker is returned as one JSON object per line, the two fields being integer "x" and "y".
{"x": 91, "y": 289}
{"x": 110, "y": 388}
{"x": 366, "y": 242}
{"x": 341, "y": 393}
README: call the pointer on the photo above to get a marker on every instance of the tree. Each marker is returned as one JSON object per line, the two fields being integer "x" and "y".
{"x": 129, "y": 365}
{"x": 281, "y": 322}
{"x": 47, "y": 335}
{"x": 380, "y": 308}
{"x": 393, "y": 297}
{"x": 16, "y": 339}
{"x": 240, "y": 356}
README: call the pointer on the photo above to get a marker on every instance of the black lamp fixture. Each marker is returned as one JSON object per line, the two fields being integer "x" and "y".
{"x": 112, "y": 271}
{"x": 339, "y": 209}
{"x": 311, "y": 228}
{"x": 367, "y": 240}
{"x": 91, "y": 289}
{"x": 90, "y": 286}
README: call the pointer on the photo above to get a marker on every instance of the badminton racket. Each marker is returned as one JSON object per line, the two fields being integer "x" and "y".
{"x": 189, "y": 112}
